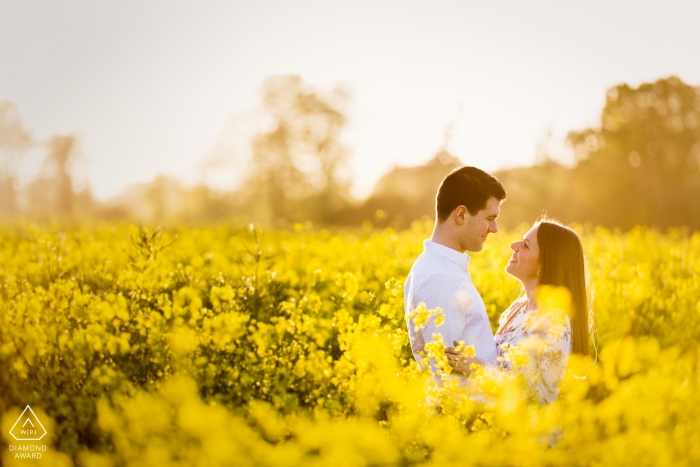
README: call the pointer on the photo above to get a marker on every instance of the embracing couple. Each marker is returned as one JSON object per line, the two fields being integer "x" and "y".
{"x": 467, "y": 206}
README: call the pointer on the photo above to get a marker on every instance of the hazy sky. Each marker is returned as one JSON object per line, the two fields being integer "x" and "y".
{"x": 149, "y": 86}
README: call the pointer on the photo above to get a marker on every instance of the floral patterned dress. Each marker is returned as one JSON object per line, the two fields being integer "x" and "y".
{"x": 537, "y": 344}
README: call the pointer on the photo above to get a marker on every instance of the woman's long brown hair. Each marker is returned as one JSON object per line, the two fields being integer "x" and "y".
{"x": 563, "y": 264}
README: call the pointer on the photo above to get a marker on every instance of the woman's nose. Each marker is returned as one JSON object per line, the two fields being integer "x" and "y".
{"x": 513, "y": 246}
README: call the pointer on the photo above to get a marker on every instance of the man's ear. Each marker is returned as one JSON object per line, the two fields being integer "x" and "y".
{"x": 460, "y": 214}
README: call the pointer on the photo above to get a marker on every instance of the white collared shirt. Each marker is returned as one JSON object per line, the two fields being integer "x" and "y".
{"x": 440, "y": 279}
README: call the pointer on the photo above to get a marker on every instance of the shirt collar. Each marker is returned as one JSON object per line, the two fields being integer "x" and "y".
{"x": 461, "y": 259}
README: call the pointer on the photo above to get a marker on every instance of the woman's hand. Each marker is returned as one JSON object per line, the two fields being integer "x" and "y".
{"x": 460, "y": 362}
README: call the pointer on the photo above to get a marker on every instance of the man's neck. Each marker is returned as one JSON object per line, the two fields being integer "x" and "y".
{"x": 443, "y": 238}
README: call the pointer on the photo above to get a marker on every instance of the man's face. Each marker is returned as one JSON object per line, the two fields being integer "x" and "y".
{"x": 477, "y": 227}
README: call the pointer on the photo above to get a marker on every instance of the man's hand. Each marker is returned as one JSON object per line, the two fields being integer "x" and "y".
{"x": 460, "y": 362}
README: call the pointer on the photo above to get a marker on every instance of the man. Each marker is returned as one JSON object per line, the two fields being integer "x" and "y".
{"x": 467, "y": 205}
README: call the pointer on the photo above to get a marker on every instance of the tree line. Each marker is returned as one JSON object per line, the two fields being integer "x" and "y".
{"x": 640, "y": 165}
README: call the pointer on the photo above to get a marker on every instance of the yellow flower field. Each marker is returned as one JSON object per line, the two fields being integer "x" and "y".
{"x": 223, "y": 346}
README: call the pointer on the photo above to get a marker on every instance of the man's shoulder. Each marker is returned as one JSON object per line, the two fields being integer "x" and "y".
{"x": 429, "y": 263}
{"x": 432, "y": 268}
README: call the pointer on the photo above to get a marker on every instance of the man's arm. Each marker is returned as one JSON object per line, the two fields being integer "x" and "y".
{"x": 444, "y": 292}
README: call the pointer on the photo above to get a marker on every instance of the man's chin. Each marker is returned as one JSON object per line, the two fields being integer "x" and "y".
{"x": 475, "y": 248}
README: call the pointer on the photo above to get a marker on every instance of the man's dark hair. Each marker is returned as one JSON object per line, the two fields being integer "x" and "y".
{"x": 469, "y": 187}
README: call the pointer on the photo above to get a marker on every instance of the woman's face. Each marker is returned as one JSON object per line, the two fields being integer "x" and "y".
{"x": 525, "y": 261}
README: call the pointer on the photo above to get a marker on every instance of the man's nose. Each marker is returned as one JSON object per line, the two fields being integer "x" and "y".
{"x": 493, "y": 227}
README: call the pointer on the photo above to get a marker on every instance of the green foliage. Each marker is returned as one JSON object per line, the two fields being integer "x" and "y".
{"x": 221, "y": 346}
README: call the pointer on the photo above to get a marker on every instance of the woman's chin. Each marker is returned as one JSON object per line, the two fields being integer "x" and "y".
{"x": 510, "y": 268}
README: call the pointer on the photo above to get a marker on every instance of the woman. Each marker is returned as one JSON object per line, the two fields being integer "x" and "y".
{"x": 549, "y": 254}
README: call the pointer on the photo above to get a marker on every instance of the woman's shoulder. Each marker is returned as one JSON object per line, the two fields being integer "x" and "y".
{"x": 517, "y": 305}
{"x": 550, "y": 323}
{"x": 512, "y": 309}
{"x": 551, "y": 315}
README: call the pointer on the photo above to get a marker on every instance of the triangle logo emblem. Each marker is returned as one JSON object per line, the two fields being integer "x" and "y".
{"x": 28, "y": 427}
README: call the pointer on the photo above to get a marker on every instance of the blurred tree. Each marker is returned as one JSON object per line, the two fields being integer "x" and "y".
{"x": 642, "y": 166}
{"x": 536, "y": 189}
{"x": 299, "y": 166}
{"x": 15, "y": 140}
{"x": 405, "y": 193}
{"x": 204, "y": 205}
{"x": 52, "y": 193}
{"x": 163, "y": 196}
{"x": 165, "y": 200}
{"x": 156, "y": 201}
